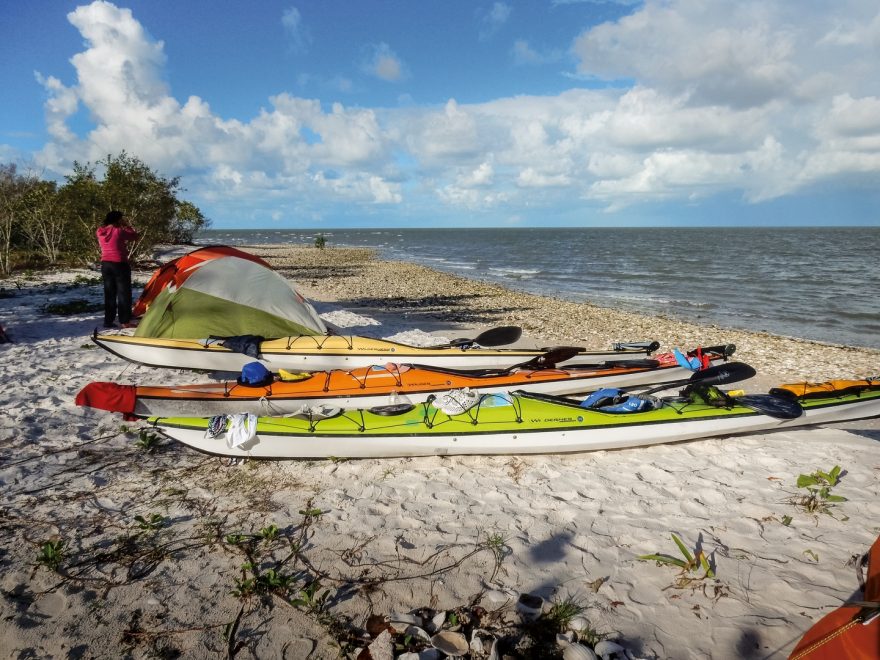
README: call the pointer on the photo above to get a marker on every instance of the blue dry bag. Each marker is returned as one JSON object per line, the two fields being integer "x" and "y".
{"x": 255, "y": 374}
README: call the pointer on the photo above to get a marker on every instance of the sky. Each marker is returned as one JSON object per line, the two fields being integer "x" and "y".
{"x": 429, "y": 113}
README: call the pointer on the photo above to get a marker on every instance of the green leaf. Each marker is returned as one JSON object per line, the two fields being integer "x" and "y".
{"x": 835, "y": 474}
{"x": 704, "y": 561}
{"x": 786, "y": 520}
{"x": 683, "y": 548}
{"x": 805, "y": 480}
{"x": 835, "y": 498}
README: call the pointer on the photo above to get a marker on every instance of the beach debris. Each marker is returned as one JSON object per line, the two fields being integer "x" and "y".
{"x": 480, "y": 638}
{"x": 399, "y": 620}
{"x": 410, "y": 655}
{"x": 605, "y": 649}
{"x": 419, "y": 633}
{"x": 425, "y": 654}
{"x": 579, "y": 623}
{"x": 451, "y": 643}
{"x": 436, "y": 622}
{"x": 496, "y": 597}
{"x": 575, "y": 651}
{"x": 376, "y": 623}
{"x": 382, "y": 648}
{"x": 596, "y": 584}
{"x": 529, "y": 606}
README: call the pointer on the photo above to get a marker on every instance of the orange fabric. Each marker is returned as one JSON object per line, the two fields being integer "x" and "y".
{"x": 828, "y": 387}
{"x": 843, "y": 634}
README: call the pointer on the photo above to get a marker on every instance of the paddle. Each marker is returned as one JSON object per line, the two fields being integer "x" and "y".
{"x": 553, "y": 356}
{"x": 505, "y": 334}
{"x": 722, "y": 374}
{"x": 733, "y": 372}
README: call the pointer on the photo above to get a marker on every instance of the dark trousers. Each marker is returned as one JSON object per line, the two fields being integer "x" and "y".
{"x": 117, "y": 291}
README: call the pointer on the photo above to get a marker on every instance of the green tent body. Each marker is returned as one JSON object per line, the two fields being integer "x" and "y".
{"x": 229, "y": 297}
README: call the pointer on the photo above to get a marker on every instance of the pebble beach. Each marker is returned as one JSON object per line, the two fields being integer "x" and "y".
{"x": 119, "y": 544}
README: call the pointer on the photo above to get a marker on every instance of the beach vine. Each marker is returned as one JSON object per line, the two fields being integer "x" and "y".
{"x": 818, "y": 497}
{"x": 690, "y": 563}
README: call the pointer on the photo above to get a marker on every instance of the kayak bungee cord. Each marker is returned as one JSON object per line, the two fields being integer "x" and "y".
{"x": 349, "y": 340}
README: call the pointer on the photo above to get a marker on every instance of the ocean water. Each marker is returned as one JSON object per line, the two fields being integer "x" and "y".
{"x": 812, "y": 283}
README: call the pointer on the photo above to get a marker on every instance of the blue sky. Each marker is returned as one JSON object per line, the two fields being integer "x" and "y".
{"x": 417, "y": 113}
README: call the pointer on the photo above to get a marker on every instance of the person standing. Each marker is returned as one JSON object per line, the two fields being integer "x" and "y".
{"x": 113, "y": 237}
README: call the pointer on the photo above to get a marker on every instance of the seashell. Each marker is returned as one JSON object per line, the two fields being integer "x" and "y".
{"x": 579, "y": 623}
{"x": 563, "y": 639}
{"x": 451, "y": 643}
{"x": 477, "y": 645}
{"x": 529, "y": 606}
{"x": 427, "y": 654}
{"x": 578, "y": 652}
{"x": 606, "y": 648}
{"x": 382, "y": 648}
{"x": 436, "y": 622}
{"x": 415, "y": 631}
{"x": 408, "y": 619}
{"x": 496, "y": 597}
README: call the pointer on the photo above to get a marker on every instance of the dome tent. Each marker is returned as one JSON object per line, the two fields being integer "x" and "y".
{"x": 228, "y": 297}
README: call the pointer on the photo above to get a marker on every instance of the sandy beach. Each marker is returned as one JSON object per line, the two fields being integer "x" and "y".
{"x": 118, "y": 545}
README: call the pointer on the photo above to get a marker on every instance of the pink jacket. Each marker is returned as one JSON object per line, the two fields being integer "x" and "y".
{"x": 112, "y": 240}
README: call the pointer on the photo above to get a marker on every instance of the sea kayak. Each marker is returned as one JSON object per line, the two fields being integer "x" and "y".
{"x": 512, "y": 423}
{"x": 380, "y": 385}
{"x": 328, "y": 352}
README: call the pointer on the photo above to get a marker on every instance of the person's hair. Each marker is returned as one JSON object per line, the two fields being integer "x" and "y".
{"x": 113, "y": 218}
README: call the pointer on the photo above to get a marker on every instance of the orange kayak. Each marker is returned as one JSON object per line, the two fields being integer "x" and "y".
{"x": 852, "y": 631}
{"x": 381, "y": 385}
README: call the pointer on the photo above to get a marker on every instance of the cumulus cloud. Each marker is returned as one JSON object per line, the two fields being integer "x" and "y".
{"x": 759, "y": 98}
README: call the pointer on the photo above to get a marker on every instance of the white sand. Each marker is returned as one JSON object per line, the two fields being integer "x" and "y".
{"x": 417, "y": 526}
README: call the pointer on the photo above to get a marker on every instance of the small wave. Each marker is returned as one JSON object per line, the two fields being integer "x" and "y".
{"x": 515, "y": 271}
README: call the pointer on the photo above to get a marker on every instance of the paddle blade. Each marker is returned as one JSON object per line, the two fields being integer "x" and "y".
{"x": 722, "y": 374}
{"x": 550, "y": 358}
{"x": 505, "y": 334}
{"x": 772, "y": 406}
